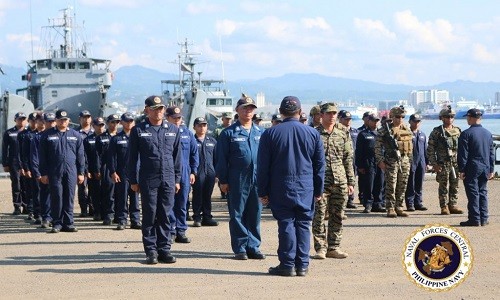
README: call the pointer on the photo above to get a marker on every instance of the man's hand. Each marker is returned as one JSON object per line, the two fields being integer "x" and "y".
{"x": 135, "y": 187}
{"x": 89, "y": 175}
{"x": 361, "y": 171}
{"x": 22, "y": 172}
{"x": 437, "y": 168}
{"x": 97, "y": 176}
{"x": 490, "y": 176}
{"x": 44, "y": 179}
{"x": 382, "y": 165}
{"x": 177, "y": 187}
{"x": 461, "y": 175}
{"x": 81, "y": 178}
{"x": 264, "y": 200}
{"x": 350, "y": 189}
{"x": 115, "y": 178}
{"x": 27, "y": 174}
{"x": 317, "y": 198}
{"x": 192, "y": 178}
{"x": 224, "y": 188}
{"x": 6, "y": 169}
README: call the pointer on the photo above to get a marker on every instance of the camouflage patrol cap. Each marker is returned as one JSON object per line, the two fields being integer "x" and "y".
{"x": 315, "y": 110}
{"x": 447, "y": 112}
{"x": 227, "y": 115}
{"x": 329, "y": 107}
{"x": 397, "y": 111}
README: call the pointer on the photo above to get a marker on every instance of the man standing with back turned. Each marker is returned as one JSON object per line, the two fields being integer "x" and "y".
{"x": 291, "y": 165}
{"x": 476, "y": 159}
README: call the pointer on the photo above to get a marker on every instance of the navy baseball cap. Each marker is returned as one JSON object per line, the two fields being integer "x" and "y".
{"x": 20, "y": 115}
{"x": 366, "y": 114}
{"x": 49, "y": 116}
{"x": 200, "y": 120}
{"x": 416, "y": 118}
{"x": 112, "y": 118}
{"x": 32, "y": 116}
{"x": 61, "y": 114}
{"x": 344, "y": 114}
{"x": 257, "y": 117}
{"x": 98, "y": 121}
{"x": 39, "y": 116}
{"x": 85, "y": 113}
{"x": 474, "y": 112}
{"x": 174, "y": 112}
{"x": 127, "y": 117}
{"x": 371, "y": 116}
{"x": 303, "y": 116}
{"x": 154, "y": 102}
{"x": 290, "y": 104}
{"x": 277, "y": 117}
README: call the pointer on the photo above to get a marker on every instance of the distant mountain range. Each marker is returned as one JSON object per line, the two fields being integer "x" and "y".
{"x": 132, "y": 84}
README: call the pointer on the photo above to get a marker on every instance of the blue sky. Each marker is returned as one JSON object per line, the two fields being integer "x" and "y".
{"x": 411, "y": 42}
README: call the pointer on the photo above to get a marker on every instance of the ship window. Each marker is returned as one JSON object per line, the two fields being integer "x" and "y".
{"x": 54, "y": 94}
{"x": 60, "y": 65}
{"x": 228, "y": 102}
{"x": 212, "y": 102}
{"x": 72, "y": 66}
{"x": 220, "y": 102}
{"x": 84, "y": 66}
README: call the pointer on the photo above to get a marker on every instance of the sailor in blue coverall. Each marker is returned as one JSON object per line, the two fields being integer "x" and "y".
{"x": 190, "y": 161}
{"x": 62, "y": 164}
{"x": 413, "y": 197}
{"x": 236, "y": 169}
{"x": 476, "y": 159}
{"x": 117, "y": 164}
{"x": 43, "y": 193}
{"x": 291, "y": 167}
{"x": 154, "y": 170}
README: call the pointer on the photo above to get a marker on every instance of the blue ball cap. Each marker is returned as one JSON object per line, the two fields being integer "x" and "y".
{"x": 474, "y": 112}
{"x": 112, "y": 118}
{"x": 174, "y": 112}
{"x": 290, "y": 104}
{"x": 20, "y": 115}
{"x": 49, "y": 116}
{"x": 127, "y": 117}
{"x": 61, "y": 114}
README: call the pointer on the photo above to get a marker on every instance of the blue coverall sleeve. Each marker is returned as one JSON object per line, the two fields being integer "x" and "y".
{"x": 264, "y": 165}
{"x": 359, "y": 155}
{"x": 177, "y": 156}
{"x": 5, "y": 146}
{"x": 43, "y": 156}
{"x": 80, "y": 156}
{"x": 463, "y": 152}
{"x": 222, "y": 168}
{"x": 35, "y": 161}
{"x": 133, "y": 153}
{"x": 492, "y": 156}
{"x": 318, "y": 166}
{"x": 194, "y": 159}
{"x": 112, "y": 155}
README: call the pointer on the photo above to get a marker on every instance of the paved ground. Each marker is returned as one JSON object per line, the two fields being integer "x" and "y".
{"x": 99, "y": 262}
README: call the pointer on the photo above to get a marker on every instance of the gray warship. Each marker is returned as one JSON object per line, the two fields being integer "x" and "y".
{"x": 196, "y": 97}
{"x": 66, "y": 78}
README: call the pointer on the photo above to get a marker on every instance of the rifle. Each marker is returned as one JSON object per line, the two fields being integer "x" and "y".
{"x": 449, "y": 153}
{"x": 394, "y": 144}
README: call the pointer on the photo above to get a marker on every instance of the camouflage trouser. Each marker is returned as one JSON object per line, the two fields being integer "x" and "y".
{"x": 396, "y": 181}
{"x": 448, "y": 186}
{"x": 334, "y": 199}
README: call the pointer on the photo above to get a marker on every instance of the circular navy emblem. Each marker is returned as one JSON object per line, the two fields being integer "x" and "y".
{"x": 177, "y": 110}
{"x": 157, "y": 100}
{"x": 63, "y": 114}
{"x": 437, "y": 257}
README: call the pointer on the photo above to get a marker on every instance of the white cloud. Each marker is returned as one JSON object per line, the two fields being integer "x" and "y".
{"x": 481, "y": 54}
{"x": 204, "y": 7}
{"x": 21, "y": 38}
{"x": 116, "y": 28}
{"x": 226, "y": 27}
{"x": 112, "y": 3}
{"x": 373, "y": 28}
{"x": 427, "y": 37}
{"x": 255, "y": 7}
{"x": 318, "y": 22}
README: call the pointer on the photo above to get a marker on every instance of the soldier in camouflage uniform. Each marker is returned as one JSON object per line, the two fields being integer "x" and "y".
{"x": 442, "y": 155}
{"x": 393, "y": 152}
{"x": 226, "y": 121}
{"x": 315, "y": 115}
{"x": 339, "y": 182}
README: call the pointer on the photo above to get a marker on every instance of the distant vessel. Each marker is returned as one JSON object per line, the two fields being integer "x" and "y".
{"x": 196, "y": 97}
{"x": 357, "y": 111}
{"x": 460, "y": 107}
{"x": 67, "y": 78}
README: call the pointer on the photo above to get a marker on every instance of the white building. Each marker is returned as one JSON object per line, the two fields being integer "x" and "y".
{"x": 260, "y": 99}
{"x": 432, "y": 96}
